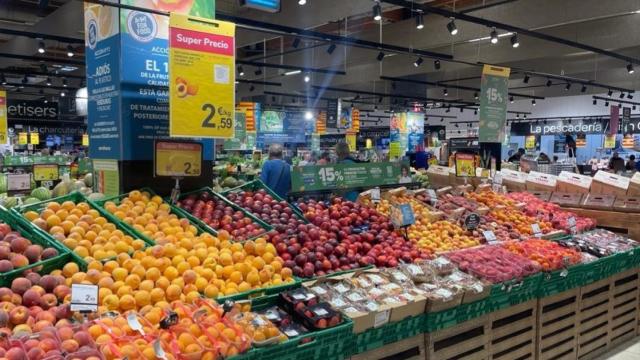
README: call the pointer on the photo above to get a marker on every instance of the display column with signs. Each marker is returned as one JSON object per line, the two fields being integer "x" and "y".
{"x": 493, "y": 113}
{"x": 3, "y": 117}
{"x": 178, "y": 160}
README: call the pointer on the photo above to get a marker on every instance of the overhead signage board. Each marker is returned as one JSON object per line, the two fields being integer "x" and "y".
{"x": 345, "y": 176}
{"x": 493, "y": 103}
{"x": 272, "y": 6}
{"x": 31, "y": 110}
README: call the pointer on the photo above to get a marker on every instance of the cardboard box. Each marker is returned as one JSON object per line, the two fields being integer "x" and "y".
{"x": 514, "y": 180}
{"x": 566, "y": 199}
{"x": 541, "y": 181}
{"x": 598, "y": 201}
{"x": 542, "y": 195}
{"x": 571, "y": 182}
{"x": 609, "y": 183}
{"x": 438, "y": 176}
{"x": 634, "y": 185}
{"x": 437, "y": 305}
{"x": 627, "y": 204}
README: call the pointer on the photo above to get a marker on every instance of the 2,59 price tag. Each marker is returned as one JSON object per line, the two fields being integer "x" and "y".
{"x": 84, "y": 297}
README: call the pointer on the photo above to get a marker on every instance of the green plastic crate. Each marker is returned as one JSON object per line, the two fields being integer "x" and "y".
{"x": 257, "y": 185}
{"x": 442, "y": 319}
{"x": 75, "y": 197}
{"x": 558, "y": 281}
{"x": 208, "y": 228}
{"x": 335, "y": 343}
{"x": 44, "y": 266}
{"x": 261, "y": 292}
{"x": 389, "y": 333}
{"x": 514, "y": 292}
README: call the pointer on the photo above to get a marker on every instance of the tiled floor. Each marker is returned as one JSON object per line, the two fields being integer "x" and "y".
{"x": 629, "y": 350}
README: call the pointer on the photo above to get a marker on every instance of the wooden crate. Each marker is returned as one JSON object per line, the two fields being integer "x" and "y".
{"x": 465, "y": 341}
{"x": 625, "y": 307}
{"x": 556, "y": 326}
{"x": 594, "y": 313}
{"x": 412, "y": 348}
{"x": 512, "y": 332}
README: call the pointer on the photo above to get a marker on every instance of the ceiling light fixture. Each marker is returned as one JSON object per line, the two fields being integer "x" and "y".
{"x": 331, "y": 49}
{"x": 515, "y": 42}
{"x": 48, "y": 81}
{"x": 377, "y": 12}
{"x": 292, "y": 72}
{"x": 258, "y": 72}
{"x": 302, "y": 2}
{"x": 630, "y": 68}
{"x": 451, "y": 26}
{"x": 308, "y": 115}
{"x": 595, "y": 102}
{"x": 380, "y": 56}
{"x": 63, "y": 94}
{"x": 634, "y": 107}
{"x": 307, "y": 78}
{"x": 494, "y": 36}
{"x": 420, "y": 21}
{"x": 240, "y": 71}
{"x": 609, "y": 93}
{"x": 41, "y": 49}
{"x": 436, "y": 64}
{"x": 418, "y": 62}
{"x": 475, "y": 95}
{"x": 445, "y": 92}
{"x": 533, "y": 102}
{"x": 511, "y": 99}
{"x": 621, "y": 95}
{"x": 629, "y": 96}
{"x": 526, "y": 78}
{"x": 64, "y": 82}
{"x": 606, "y": 103}
{"x": 549, "y": 82}
{"x": 475, "y": 112}
{"x": 69, "y": 51}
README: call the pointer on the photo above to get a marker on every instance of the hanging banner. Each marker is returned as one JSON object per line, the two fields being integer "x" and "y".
{"x": 628, "y": 142}
{"x": 345, "y": 176}
{"x": 201, "y": 77}
{"x": 344, "y": 122}
{"x": 351, "y": 141}
{"x": 85, "y": 140}
{"x": 333, "y": 111}
{"x": 614, "y": 120}
{"x": 321, "y": 123}
{"x": 23, "y": 138}
{"x": 239, "y": 140}
{"x": 398, "y": 140}
{"x": 251, "y": 112}
{"x": 34, "y": 138}
{"x": 3, "y": 117}
{"x": 355, "y": 120}
{"x": 493, "y": 105}
{"x": 415, "y": 131}
{"x": 609, "y": 141}
{"x": 530, "y": 142}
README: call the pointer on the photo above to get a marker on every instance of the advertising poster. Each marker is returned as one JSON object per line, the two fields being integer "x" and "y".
{"x": 465, "y": 165}
{"x": 107, "y": 177}
{"x": 332, "y": 113}
{"x": 609, "y": 141}
{"x": 102, "y": 56}
{"x": 281, "y": 127}
{"x": 3, "y": 117}
{"x": 321, "y": 123}
{"x": 530, "y": 142}
{"x": 202, "y": 77}
{"x": 493, "y": 103}
{"x": 415, "y": 131}
{"x": 344, "y": 122}
{"x": 351, "y": 140}
{"x": 345, "y": 176}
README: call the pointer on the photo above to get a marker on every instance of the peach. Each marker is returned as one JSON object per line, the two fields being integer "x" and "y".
{"x": 19, "y": 315}
{"x": 19, "y": 260}
{"x": 63, "y": 323}
{"x": 83, "y": 338}
{"x": 41, "y": 223}
{"x": 31, "y": 297}
{"x": 46, "y": 315}
{"x": 34, "y": 277}
{"x": 48, "y": 283}
{"x": 33, "y": 253}
{"x": 48, "y": 345}
{"x": 70, "y": 346}
{"x": 4, "y": 318}
{"x": 16, "y": 299}
{"x": 41, "y": 325}
{"x": 39, "y": 289}
{"x": 20, "y": 285}
{"x": 22, "y": 329}
{"x": 48, "y": 301}
{"x": 48, "y": 253}
{"x": 10, "y": 237}
{"x": 34, "y": 310}
{"x": 19, "y": 245}
{"x": 5, "y": 266}
{"x": 5, "y": 251}
{"x": 5, "y": 294}
{"x": 16, "y": 354}
{"x": 6, "y": 306}
{"x": 35, "y": 354}
{"x": 65, "y": 332}
{"x": 63, "y": 312}
{"x": 30, "y": 344}
{"x": 61, "y": 291}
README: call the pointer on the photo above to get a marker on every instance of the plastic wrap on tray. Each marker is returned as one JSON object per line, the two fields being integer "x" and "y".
{"x": 259, "y": 328}
{"x": 604, "y": 242}
{"x": 463, "y": 281}
{"x": 419, "y": 272}
{"x": 397, "y": 275}
{"x": 442, "y": 266}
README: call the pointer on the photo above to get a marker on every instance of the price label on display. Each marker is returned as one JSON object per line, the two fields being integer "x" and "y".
{"x": 202, "y": 77}
{"x": 536, "y": 230}
{"x": 84, "y": 297}
{"x": 472, "y": 221}
{"x": 34, "y": 138}
{"x": 402, "y": 215}
{"x": 489, "y": 236}
{"x": 178, "y": 158}
{"x": 44, "y": 172}
{"x": 23, "y": 138}
{"x": 375, "y": 195}
{"x": 18, "y": 182}
{"x": 571, "y": 221}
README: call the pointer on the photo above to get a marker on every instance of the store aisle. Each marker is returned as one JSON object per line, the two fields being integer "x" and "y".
{"x": 629, "y": 350}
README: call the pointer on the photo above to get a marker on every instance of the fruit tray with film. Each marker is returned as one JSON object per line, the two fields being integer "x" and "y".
{"x": 23, "y": 250}
{"x": 143, "y": 213}
{"x": 257, "y": 186}
{"x": 217, "y": 218}
{"x": 77, "y": 222}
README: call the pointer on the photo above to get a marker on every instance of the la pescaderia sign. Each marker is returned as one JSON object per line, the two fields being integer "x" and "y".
{"x": 559, "y": 127}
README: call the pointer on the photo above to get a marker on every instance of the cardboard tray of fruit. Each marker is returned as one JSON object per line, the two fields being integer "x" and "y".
{"x": 75, "y": 198}
{"x": 200, "y": 223}
{"x": 259, "y": 185}
{"x": 55, "y": 255}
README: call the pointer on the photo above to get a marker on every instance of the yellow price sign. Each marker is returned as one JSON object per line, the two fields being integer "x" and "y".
{"x": 3, "y": 117}
{"x": 201, "y": 77}
{"x": 45, "y": 172}
{"x": 351, "y": 141}
{"x": 34, "y": 138}
{"x": 23, "y": 138}
{"x": 530, "y": 142}
{"x": 85, "y": 139}
{"x": 178, "y": 158}
{"x": 609, "y": 141}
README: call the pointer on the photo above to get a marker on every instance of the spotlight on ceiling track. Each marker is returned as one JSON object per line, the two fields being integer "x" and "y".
{"x": 629, "y": 96}
{"x": 296, "y": 43}
{"x": 436, "y": 64}
{"x": 630, "y": 68}
{"x": 48, "y": 81}
{"x": 606, "y": 103}
{"x": 511, "y": 99}
{"x": 377, "y": 12}
{"x": 494, "y": 36}
{"x": 420, "y": 21}
{"x": 609, "y": 93}
{"x": 475, "y": 95}
{"x": 307, "y": 78}
{"x": 302, "y": 2}
{"x": 252, "y": 88}
{"x": 595, "y": 102}
{"x": 331, "y": 49}
{"x": 621, "y": 95}
{"x": 515, "y": 42}
{"x": 3, "y": 79}
{"x": 445, "y": 92}
{"x": 451, "y": 26}
{"x": 549, "y": 82}
{"x": 568, "y": 87}
{"x": 240, "y": 71}
{"x": 526, "y": 78}
{"x": 70, "y": 51}
{"x": 583, "y": 88}
{"x": 63, "y": 94}
{"x": 418, "y": 62}
{"x": 64, "y": 82}
{"x": 533, "y": 102}
{"x": 633, "y": 107}
{"x": 475, "y": 112}
{"x": 41, "y": 49}
{"x": 380, "y": 56}
{"x": 308, "y": 115}
{"x": 258, "y": 72}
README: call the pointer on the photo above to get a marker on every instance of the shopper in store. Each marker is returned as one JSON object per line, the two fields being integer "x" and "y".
{"x": 631, "y": 163}
{"x": 276, "y": 173}
{"x": 616, "y": 163}
{"x": 343, "y": 154}
{"x": 570, "y": 143}
{"x": 516, "y": 157}
{"x": 325, "y": 159}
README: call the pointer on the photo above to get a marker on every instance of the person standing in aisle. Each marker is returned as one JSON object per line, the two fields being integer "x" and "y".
{"x": 631, "y": 164}
{"x": 570, "y": 143}
{"x": 344, "y": 157}
{"x": 324, "y": 159}
{"x": 276, "y": 173}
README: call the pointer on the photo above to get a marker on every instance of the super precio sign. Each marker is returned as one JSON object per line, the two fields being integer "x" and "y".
{"x": 31, "y": 110}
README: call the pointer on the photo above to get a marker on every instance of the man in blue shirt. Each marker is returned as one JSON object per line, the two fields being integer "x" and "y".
{"x": 276, "y": 173}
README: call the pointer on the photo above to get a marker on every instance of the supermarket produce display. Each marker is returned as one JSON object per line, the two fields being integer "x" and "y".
{"x": 324, "y": 282}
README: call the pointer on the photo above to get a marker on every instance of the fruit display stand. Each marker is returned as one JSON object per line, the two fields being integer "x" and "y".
{"x": 624, "y": 222}
{"x": 256, "y": 185}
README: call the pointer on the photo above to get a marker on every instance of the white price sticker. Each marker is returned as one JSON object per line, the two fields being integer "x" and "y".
{"x": 536, "y": 230}
{"x": 381, "y": 318}
{"x": 18, "y": 182}
{"x": 497, "y": 179}
{"x": 84, "y": 297}
{"x": 489, "y": 236}
{"x": 375, "y": 195}
{"x": 571, "y": 221}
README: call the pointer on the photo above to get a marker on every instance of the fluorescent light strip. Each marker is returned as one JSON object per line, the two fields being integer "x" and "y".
{"x": 489, "y": 37}
{"x": 292, "y": 72}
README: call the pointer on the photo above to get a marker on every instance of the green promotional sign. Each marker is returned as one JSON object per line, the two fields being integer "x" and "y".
{"x": 239, "y": 141}
{"x": 107, "y": 177}
{"x": 85, "y": 165}
{"x": 12, "y": 160}
{"x": 493, "y": 103}
{"x": 345, "y": 176}
{"x": 315, "y": 142}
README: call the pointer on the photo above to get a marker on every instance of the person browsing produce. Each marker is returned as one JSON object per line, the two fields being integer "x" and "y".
{"x": 276, "y": 173}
